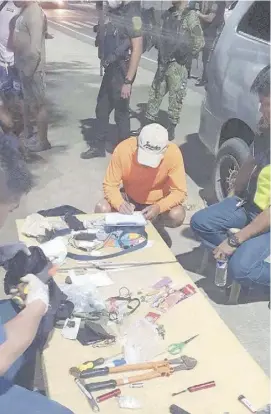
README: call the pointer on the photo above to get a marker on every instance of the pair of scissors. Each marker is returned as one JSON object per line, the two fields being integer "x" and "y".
{"x": 177, "y": 348}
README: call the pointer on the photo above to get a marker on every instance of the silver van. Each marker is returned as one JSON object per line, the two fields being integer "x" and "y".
{"x": 229, "y": 112}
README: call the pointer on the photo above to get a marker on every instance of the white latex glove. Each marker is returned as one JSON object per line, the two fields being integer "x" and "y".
{"x": 8, "y": 251}
{"x": 37, "y": 290}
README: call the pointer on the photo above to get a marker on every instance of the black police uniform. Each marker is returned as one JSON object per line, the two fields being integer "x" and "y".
{"x": 211, "y": 30}
{"x": 123, "y": 25}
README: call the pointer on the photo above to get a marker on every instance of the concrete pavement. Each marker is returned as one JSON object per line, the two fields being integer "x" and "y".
{"x": 63, "y": 178}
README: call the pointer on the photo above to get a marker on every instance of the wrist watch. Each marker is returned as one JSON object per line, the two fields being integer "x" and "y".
{"x": 233, "y": 240}
{"x": 127, "y": 81}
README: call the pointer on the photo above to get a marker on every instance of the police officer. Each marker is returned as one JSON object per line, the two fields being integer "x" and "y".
{"x": 181, "y": 40}
{"x": 211, "y": 15}
{"x": 120, "y": 49}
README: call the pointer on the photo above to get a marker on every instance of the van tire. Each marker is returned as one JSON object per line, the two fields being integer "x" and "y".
{"x": 229, "y": 159}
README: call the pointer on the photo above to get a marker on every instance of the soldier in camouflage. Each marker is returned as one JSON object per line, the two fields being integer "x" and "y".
{"x": 181, "y": 39}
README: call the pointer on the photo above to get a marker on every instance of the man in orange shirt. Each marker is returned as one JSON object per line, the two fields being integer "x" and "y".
{"x": 151, "y": 171}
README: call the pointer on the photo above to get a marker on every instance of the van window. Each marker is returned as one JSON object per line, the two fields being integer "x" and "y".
{"x": 256, "y": 21}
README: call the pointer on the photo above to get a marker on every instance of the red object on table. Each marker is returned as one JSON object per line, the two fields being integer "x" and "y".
{"x": 108, "y": 395}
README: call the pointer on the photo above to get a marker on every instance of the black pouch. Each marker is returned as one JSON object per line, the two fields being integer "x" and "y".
{"x": 91, "y": 333}
{"x": 60, "y": 211}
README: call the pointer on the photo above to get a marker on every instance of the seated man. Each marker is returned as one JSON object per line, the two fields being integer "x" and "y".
{"x": 151, "y": 170}
{"x": 18, "y": 330}
{"x": 248, "y": 209}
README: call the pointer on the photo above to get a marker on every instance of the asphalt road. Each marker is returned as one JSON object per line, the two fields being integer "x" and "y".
{"x": 78, "y": 21}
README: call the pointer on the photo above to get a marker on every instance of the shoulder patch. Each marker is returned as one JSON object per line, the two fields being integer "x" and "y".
{"x": 137, "y": 23}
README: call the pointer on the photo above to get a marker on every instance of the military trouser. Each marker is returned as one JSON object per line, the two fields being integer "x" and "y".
{"x": 171, "y": 78}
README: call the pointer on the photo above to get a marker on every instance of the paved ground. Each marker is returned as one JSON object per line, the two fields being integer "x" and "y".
{"x": 63, "y": 178}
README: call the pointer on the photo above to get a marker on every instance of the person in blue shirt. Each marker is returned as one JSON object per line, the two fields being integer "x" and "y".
{"x": 18, "y": 330}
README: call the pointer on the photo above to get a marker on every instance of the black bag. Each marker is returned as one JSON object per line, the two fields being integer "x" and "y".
{"x": 93, "y": 332}
{"x": 60, "y": 211}
{"x": 175, "y": 43}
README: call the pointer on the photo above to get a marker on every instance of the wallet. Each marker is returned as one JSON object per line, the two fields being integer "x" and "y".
{"x": 92, "y": 332}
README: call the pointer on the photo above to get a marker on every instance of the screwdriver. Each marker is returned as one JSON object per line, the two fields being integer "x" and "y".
{"x": 108, "y": 395}
{"x": 86, "y": 367}
{"x": 198, "y": 387}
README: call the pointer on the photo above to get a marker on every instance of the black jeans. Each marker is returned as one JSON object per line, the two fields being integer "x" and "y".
{"x": 209, "y": 42}
{"x": 109, "y": 98}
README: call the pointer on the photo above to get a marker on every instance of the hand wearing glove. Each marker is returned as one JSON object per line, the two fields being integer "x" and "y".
{"x": 8, "y": 251}
{"x": 37, "y": 290}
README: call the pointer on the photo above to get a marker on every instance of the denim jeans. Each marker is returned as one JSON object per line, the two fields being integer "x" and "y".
{"x": 247, "y": 265}
{"x": 15, "y": 399}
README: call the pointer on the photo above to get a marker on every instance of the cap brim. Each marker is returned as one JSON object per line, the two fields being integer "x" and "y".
{"x": 149, "y": 159}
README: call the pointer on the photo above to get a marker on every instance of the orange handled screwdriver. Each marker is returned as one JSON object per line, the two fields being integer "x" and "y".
{"x": 198, "y": 387}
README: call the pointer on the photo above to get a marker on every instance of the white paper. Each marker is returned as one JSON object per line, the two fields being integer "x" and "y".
{"x": 97, "y": 279}
{"x": 71, "y": 333}
{"x": 117, "y": 219}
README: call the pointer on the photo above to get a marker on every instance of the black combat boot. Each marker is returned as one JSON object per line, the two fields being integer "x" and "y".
{"x": 96, "y": 151}
{"x": 171, "y": 131}
{"x": 201, "y": 82}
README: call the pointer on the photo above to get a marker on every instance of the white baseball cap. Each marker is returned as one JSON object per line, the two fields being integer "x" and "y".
{"x": 152, "y": 144}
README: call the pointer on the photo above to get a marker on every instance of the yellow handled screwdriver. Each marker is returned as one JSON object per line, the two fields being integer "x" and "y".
{"x": 86, "y": 367}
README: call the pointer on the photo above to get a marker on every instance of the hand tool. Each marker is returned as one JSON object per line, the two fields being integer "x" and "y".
{"x": 247, "y": 403}
{"x": 177, "y": 348}
{"x": 86, "y": 367}
{"x": 197, "y": 387}
{"x": 116, "y": 363}
{"x": 108, "y": 395}
{"x": 156, "y": 369}
{"x": 91, "y": 400}
{"x": 116, "y": 266}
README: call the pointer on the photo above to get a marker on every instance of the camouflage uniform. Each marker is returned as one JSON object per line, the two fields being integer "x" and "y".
{"x": 172, "y": 77}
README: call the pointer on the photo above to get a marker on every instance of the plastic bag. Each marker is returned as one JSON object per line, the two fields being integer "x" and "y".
{"x": 98, "y": 279}
{"x": 142, "y": 342}
{"x": 55, "y": 250}
{"x": 129, "y": 402}
{"x": 85, "y": 298}
{"x": 265, "y": 410}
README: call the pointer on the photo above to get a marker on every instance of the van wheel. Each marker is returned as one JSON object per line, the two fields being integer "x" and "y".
{"x": 230, "y": 157}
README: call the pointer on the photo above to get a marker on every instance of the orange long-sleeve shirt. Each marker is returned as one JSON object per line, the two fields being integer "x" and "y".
{"x": 164, "y": 185}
